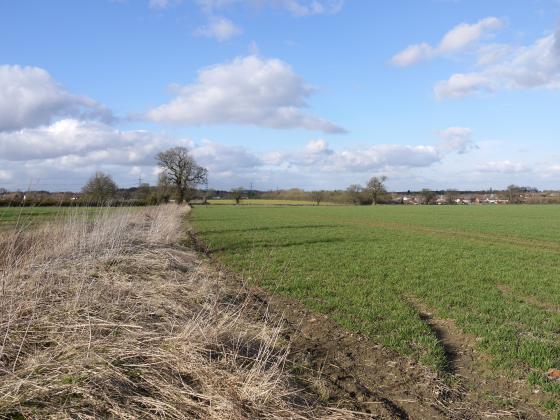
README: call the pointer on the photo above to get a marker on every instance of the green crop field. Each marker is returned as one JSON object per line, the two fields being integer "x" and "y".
{"x": 22, "y": 216}
{"x": 266, "y": 202}
{"x": 493, "y": 270}
{"x": 31, "y": 216}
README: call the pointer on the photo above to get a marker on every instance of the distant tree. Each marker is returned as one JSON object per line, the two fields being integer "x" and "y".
{"x": 143, "y": 193}
{"x": 100, "y": 188}
{"x": 317, "y": 196}
{"x": 181, "y": 171}
{"x": 207, "y": 194}
{"x": 376, "y": 188}
{"x": 513, "y": 193}
{"x": 236, "y": 194}
{"x": 451, "y": 196}
{"x": 355, "y": 193}
{"x": 428, "y": 196}
{"x": 164, "y": 189}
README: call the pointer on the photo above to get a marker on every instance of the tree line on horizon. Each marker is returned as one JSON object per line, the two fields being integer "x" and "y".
{"x": 180, "y": 179}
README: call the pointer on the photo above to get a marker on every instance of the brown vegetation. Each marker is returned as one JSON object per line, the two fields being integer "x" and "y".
{"x": 108, "y": 317}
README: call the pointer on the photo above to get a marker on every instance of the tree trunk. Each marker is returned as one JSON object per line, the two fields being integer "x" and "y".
{"x": 180, "y": 194}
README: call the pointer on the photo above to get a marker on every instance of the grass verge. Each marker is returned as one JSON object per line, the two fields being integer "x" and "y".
{"x": 106, "y": 316}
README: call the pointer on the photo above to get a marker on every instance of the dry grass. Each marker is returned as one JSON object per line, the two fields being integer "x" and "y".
{"x": 108, "y": 317}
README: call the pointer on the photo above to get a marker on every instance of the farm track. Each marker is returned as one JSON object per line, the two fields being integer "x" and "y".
{"x": 471, "y": 367}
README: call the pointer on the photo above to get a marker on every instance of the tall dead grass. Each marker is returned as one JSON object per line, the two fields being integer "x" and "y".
{"x": 106, "y": 316}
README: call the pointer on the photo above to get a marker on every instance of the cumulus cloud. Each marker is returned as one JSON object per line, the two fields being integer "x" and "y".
{"x": 219, "y": 28}
{"x": 319, "y": 146}
{"x": 527, "y": 67}
{"x": 74, "y": 143}
{"x": 384, "y": 156}
{"x": 63, "y": 154}
{"x": 509, "y": 68}
{"x": 321, "y": 157}
{"x": 219, "y": 157}
{"x": 5, "y": 175}
{"x": 457, "y": 39}
{"x": 29, "y": 97}
{"x": 504, "y": 167}
{"x": 497, "y": 67}
{"x": 456, "y": 139}
{"x": 249, "y": 91}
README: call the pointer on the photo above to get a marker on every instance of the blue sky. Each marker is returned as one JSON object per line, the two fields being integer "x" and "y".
{"x": 282, "y": 93}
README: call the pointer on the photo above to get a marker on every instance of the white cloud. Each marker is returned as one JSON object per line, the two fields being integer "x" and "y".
{"x": 219, "y": 28}
{"x": 248, "y": 90}
{"x": 385, "y": 156}
{"x": 5, "y": 175}
{"x": 29, "y": 97}
{"x": 457, "y": 39}
{"x": 456, "y": 139}
{"x": 413, "y": 54}
{"x": 64, "y": 154}
{"x": 460, "y": 85}
{"x": 136, "y": 171}
{"x": 219, "y": 157}
{"x": 318, "y": 155}
{"x": 319, "y": 146}
{"x": 492, "y": 54}
{"x": 504, "y": 167}
{"x": 509, "y": 68}
{"x": 73, "y": 143}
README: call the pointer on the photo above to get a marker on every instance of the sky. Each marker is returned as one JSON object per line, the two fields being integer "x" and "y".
{"x": 315, "y": 94}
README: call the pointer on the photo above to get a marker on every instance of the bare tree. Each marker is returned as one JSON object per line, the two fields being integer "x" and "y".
{"x": 164, "y": 189}
{"x": 100, "y": 188}
{"x": 181, "y": 170}
{"x": 355, "y": 192}
{"x": 451, "y": 196}
{"x": 143, "y": 192}
{"x": 428, "y": 195}
{"x": 513, "y": 193}
{"x": 208, "y": 194}
{"x": 317, "y": 196}
{"x": 376, "y": 188}
{"x": 237, "y": 194}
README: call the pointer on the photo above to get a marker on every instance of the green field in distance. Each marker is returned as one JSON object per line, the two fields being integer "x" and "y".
{"x": 265, "y": 202}
{"x": 24, "y": 217}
